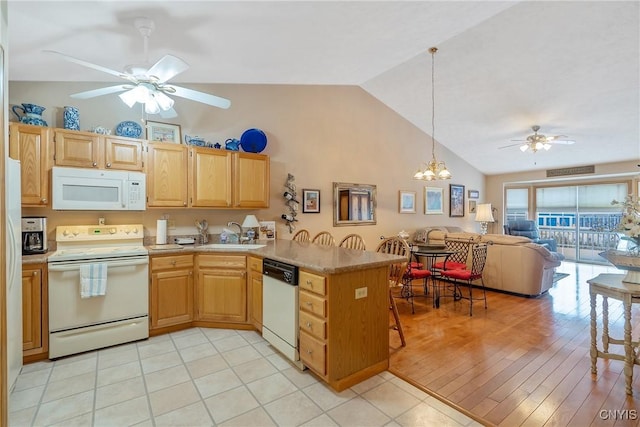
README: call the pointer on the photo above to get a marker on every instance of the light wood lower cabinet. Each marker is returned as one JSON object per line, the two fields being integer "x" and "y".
{"x": 35, "y": 314}
{"x": 344, "y": 339}
{"x": 255, "y": 292}
{"x": 172, "y": 290}
{"x": 221, "y": 289}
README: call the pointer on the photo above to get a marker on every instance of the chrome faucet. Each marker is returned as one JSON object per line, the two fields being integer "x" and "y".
{"x": 230, "y": 223}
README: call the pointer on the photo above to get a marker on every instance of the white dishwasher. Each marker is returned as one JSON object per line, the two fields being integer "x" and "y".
{"x": 280, "y": 308}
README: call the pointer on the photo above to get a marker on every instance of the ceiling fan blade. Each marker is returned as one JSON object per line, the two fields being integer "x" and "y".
{"x": 89, "y": 64}
{"x": 205, "y": 98}
{"x": 562, "y": 141}
{"x": 168, "y": 114}
{"x": 511, "y": 145}
{"x": 167, "y": 67}
{"x": 99, "y": 92}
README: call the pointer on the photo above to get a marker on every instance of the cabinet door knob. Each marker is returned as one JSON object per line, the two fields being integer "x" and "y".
{"x": 94, "y": 164}
{"x": 35, "y": 273}
{"x": 44, "y": 200}
{"x": 184, "y": 203}
{"x": 173, "y": 262}
{"x": 108, "y": 165}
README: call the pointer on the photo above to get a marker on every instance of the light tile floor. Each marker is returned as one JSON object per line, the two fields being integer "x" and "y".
{"x": 207, "y": 377}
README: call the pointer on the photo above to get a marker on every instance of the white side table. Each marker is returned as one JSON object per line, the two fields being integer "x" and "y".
{"x": 612, "y": 286}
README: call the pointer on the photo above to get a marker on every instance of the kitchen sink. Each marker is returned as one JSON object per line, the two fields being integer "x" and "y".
{"x": 232, "y": 246}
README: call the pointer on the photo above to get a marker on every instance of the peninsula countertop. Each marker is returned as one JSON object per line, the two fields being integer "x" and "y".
{"x": 307, "y": 255}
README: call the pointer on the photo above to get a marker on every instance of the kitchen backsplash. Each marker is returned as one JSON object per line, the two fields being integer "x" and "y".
{"x": 184, "y": 220}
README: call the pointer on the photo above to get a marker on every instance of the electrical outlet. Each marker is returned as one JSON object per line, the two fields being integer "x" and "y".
{"x": 361, "y": 293}
{"x": 171, "y": 224}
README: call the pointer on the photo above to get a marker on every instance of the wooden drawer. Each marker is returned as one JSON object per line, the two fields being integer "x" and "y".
{"x": 312, "y": 282}
{"x": 222, "y": 261}
{"x": 313, "y": 304}
{"x": 313, "y": 353}
{"x": 255, "y": 264}
{"x": 171, "y": 261}
{"x": 313, "y": 325}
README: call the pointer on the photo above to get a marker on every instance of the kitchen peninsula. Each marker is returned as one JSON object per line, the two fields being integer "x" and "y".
{"x": 343, "y": 300}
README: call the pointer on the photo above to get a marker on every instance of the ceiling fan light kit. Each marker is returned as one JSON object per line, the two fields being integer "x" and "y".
{"x": 148, "y": 85}
{"x": 435, "y": 169}
{"x": 537, "y": 141}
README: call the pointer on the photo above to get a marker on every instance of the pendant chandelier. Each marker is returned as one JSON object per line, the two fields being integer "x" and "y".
{"x": 434, "y": 169}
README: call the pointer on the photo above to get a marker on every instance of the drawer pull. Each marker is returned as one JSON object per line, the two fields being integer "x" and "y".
{"x": 309, "y": 303}
{"x": 310, "y": 282}
{"x": 309, "y": 351}
{"x": 308, "y": 323}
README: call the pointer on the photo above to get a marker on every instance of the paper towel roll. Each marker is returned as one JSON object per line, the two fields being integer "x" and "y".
{"x": 161, "y": 232}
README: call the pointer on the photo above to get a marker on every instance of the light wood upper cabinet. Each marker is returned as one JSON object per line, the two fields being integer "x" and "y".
{"x": 210, "y": 177}
{"x": 123, "y": 153}
{"x": 251, "y": 181}
{"x": 166, "y": 175}
{"x": 91, "y": 150}
{"x": 35, "y": 318}
{"x": 181, "y": 176}
{"x": 77, "y": 149}
{"x": 30, "y": 145}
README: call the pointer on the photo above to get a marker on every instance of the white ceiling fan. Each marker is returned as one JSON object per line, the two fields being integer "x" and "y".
{"x": 538, "y": 141}
{"x": 147, "y": 84}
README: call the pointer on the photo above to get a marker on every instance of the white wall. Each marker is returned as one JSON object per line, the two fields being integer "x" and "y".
{"x": 320, "y": 134}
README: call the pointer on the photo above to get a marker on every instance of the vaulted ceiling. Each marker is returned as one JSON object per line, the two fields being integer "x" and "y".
{"x": 570, "y": 67}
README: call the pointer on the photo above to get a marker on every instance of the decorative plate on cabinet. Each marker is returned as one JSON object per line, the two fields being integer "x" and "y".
{"x": 253, "y": 140}
{"x": 129, "y": 129}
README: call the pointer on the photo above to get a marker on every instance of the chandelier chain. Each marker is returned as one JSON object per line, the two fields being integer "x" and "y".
{"x": 433, "y": 102}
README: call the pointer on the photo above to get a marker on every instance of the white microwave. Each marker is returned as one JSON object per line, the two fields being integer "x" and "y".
{"x": 98, "y": 190}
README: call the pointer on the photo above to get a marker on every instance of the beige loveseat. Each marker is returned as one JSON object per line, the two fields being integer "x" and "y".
{"x": 514, "y": 264}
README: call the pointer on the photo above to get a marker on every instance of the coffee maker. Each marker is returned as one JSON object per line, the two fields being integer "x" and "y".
{"x": 34, "y": 235}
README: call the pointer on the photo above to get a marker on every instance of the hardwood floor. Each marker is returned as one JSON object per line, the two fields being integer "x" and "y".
{"x": 523, "y": 361}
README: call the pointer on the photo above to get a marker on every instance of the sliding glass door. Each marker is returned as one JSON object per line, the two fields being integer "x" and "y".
{"x": 580, "y": 218}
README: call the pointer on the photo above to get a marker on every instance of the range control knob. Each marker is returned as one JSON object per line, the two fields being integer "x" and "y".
{"x": 76, "y": 232}
{"x": 65, "y": 232}
{"x": 112, "y": 231}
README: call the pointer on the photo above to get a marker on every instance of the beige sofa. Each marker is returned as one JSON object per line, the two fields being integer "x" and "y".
{"x": 514, "y": 264}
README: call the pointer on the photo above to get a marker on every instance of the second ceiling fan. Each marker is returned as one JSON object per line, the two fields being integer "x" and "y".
{"x": 146, "y": 84}
{"x": 538, "y": 141}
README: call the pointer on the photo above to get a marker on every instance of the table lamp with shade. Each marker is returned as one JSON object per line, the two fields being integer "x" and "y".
{"x": 251, "y": 222}
{"x": 484, "y": 216}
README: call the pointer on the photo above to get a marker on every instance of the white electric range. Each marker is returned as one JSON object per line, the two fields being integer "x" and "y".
{"x": 79, "y": 322}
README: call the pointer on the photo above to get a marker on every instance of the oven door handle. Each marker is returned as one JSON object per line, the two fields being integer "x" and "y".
{"x": 72, "y": 267}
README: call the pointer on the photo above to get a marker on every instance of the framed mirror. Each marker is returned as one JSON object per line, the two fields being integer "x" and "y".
{"x": 354, "y": 204}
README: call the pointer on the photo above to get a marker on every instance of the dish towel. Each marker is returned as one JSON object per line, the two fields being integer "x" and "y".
{"x": 93, "y": 280}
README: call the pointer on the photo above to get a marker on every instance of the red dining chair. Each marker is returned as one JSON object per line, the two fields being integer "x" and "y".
{"x": 457, "y": 260}
{"x": 468, "y": 276}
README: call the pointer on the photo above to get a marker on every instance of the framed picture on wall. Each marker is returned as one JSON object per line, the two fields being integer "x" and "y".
{"x": 311, "y": 201}
{"x": 163, "y": 132}
{"x": 474, "y": 194}
{"x": 406, "y": 201}
{"x": 433, "y": 204}
{"x": 472, "y": 206}
{"x": 456, "y": 200}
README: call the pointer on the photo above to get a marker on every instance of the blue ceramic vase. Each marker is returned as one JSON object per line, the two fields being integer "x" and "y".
{"x": 71, "y": 118}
